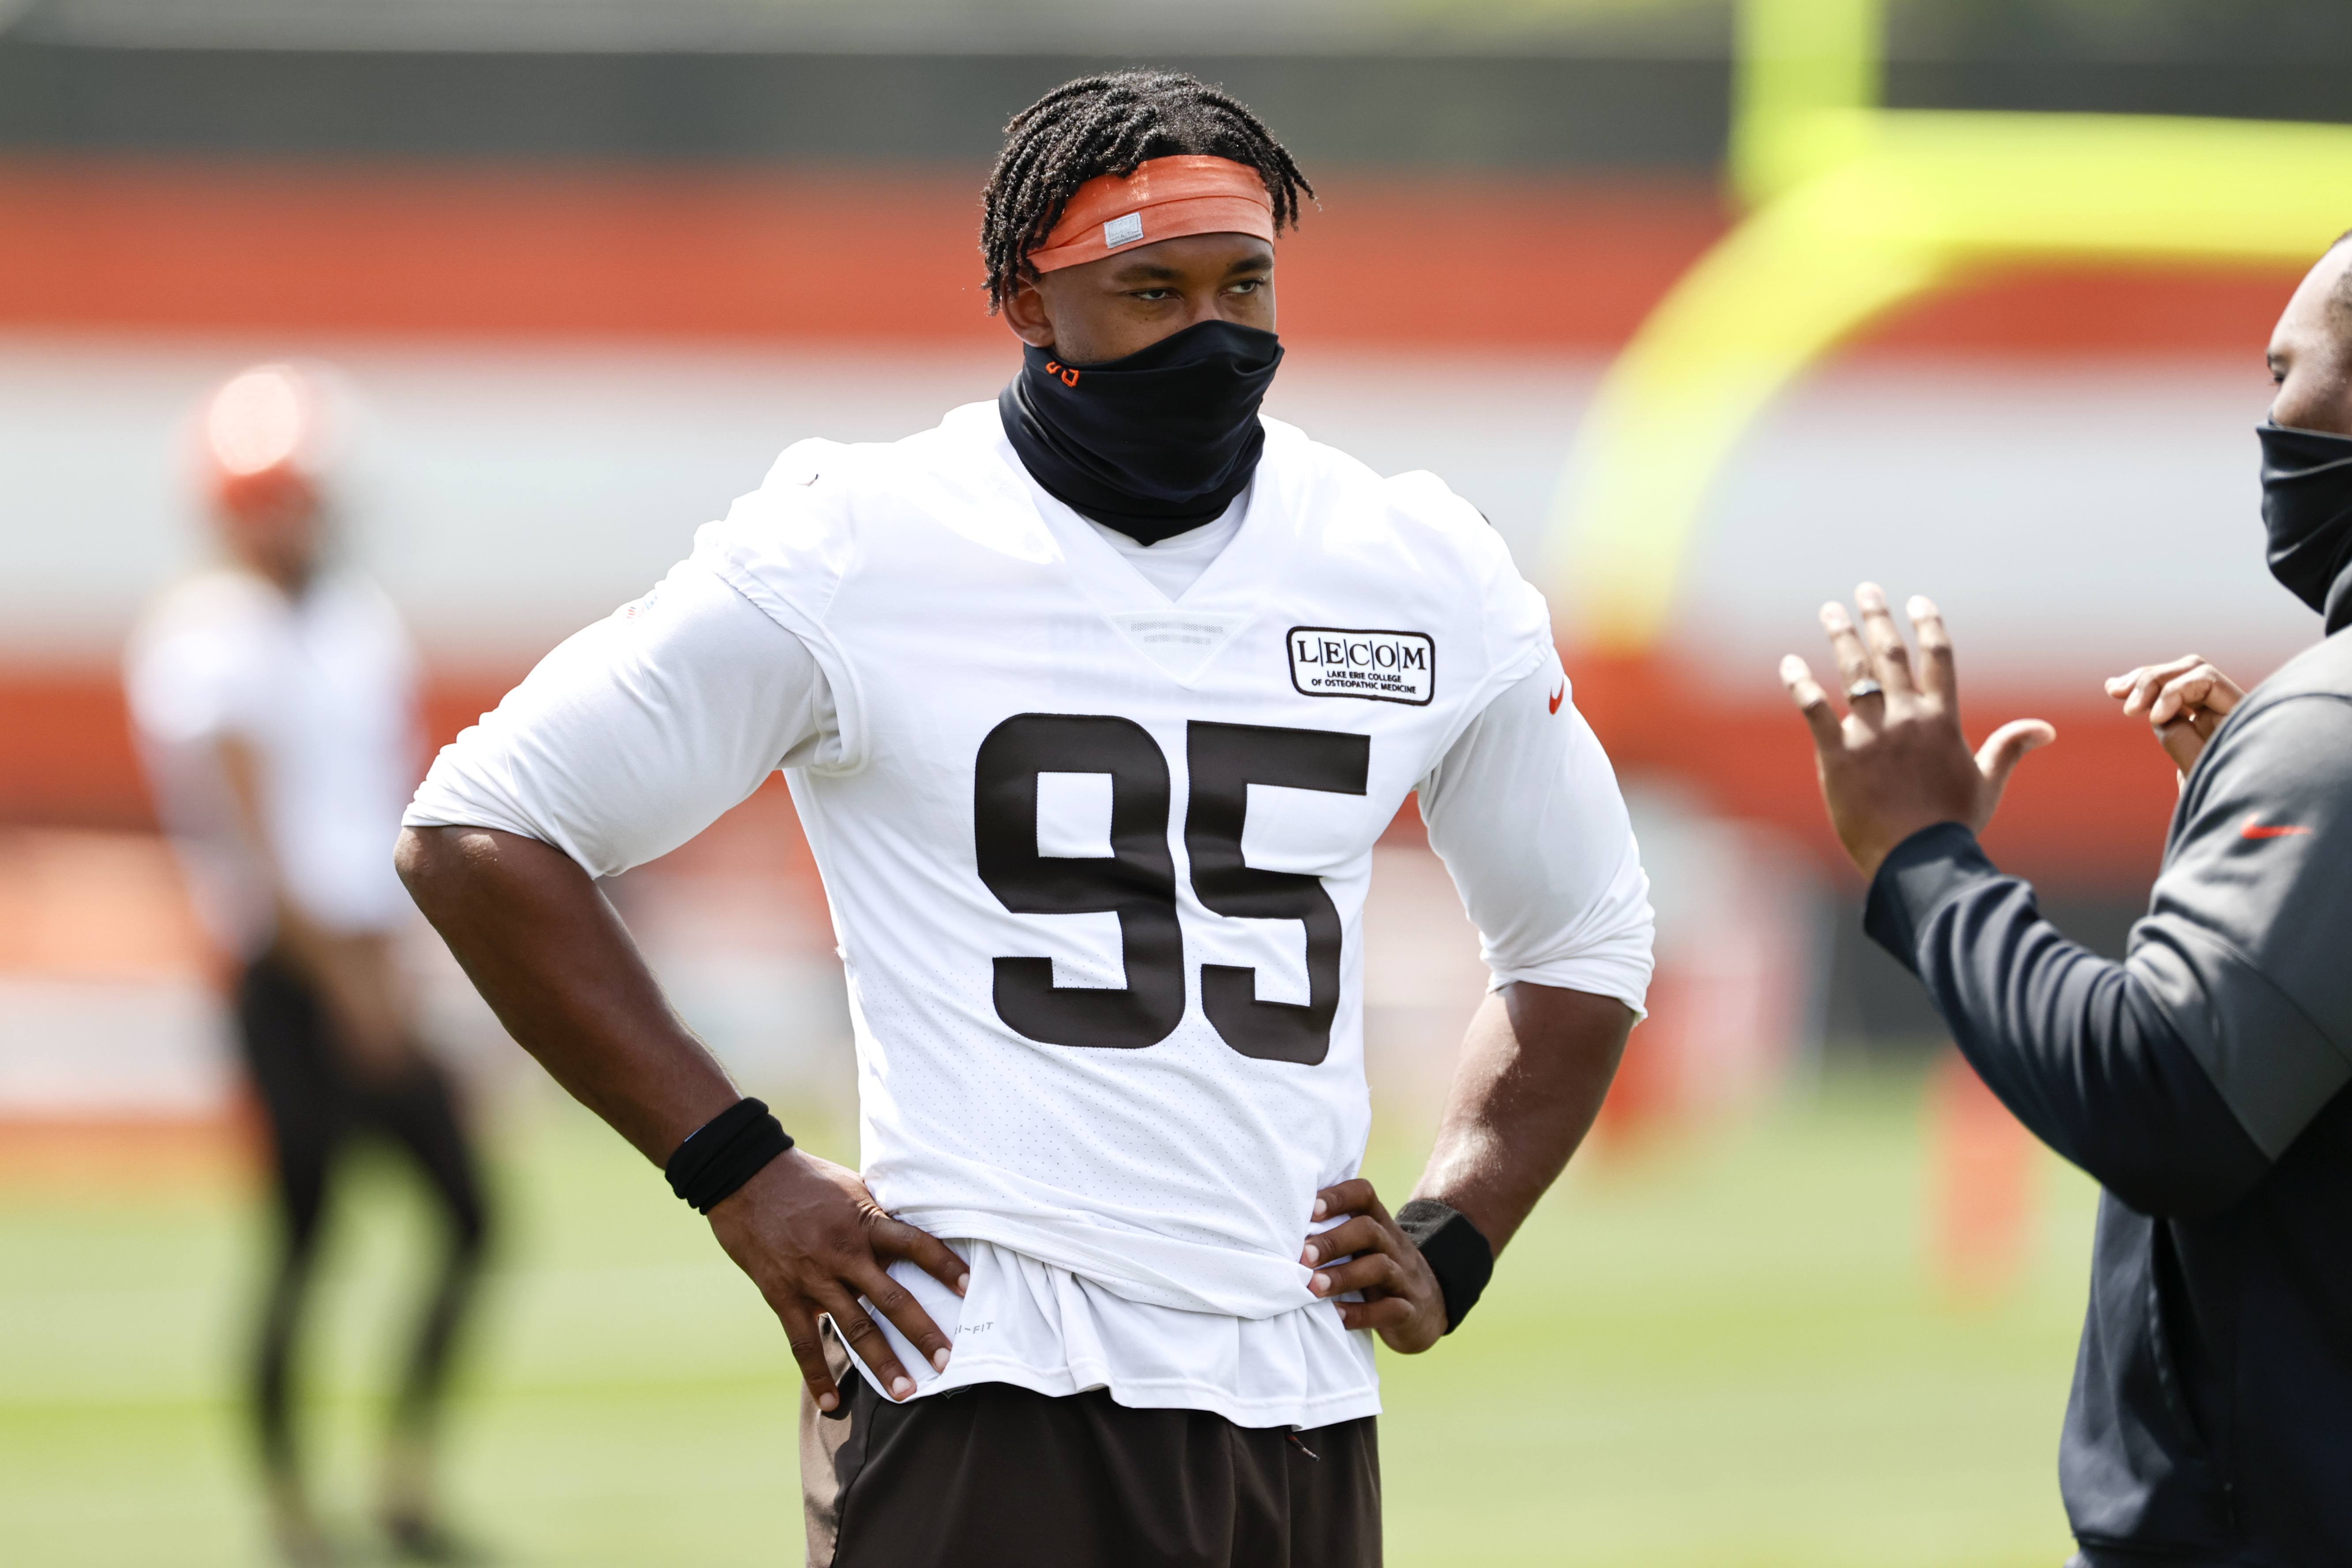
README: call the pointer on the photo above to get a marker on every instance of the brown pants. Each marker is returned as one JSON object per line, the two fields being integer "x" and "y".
{"x": 999, "y": 1477}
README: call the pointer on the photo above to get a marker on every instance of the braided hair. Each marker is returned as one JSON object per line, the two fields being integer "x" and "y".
{"x": 1112, "y": 125}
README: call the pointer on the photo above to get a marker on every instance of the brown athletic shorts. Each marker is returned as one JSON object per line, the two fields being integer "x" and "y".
{"x": 998, "y": 1477}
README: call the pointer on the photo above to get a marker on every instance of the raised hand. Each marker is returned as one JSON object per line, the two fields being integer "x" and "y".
{"x": 1897, "y": 761}
{"x": 2185, "y": 700}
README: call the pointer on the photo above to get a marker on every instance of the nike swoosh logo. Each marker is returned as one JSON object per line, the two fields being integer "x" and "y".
{"x": 2255, "y": 829}
{"x": 1556, "y": 697}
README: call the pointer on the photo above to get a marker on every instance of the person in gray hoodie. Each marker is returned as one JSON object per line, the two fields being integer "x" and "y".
{"x": 2201, "y": 1080}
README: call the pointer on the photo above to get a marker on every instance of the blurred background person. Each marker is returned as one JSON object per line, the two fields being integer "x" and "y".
{"x": 274, "y": 696}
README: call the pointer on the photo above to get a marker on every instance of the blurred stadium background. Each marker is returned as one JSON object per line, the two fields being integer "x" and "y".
{"x": 584, "y": 266}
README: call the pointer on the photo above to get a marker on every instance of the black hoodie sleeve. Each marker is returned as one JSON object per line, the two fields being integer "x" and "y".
{"x": 2179, "y": 1075}
{"x": 2071, "y": 1042}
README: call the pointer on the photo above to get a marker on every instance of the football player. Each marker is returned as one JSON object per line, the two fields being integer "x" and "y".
{"x": 1094, "y": 700}
{"x": 275, "y": 699}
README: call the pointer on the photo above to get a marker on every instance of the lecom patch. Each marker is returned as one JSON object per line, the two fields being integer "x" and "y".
{"x": 1386, "y": 666}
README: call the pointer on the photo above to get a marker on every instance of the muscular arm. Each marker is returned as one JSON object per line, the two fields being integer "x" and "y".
{"x": 552, "y": 958}
{"x": 1526, "y": 813}
{"x": 1535, "y": 1066}
{"x": 623, "y": 743}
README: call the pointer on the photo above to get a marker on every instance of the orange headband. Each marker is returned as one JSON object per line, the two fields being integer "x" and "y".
{"x": 1163, "y": 199}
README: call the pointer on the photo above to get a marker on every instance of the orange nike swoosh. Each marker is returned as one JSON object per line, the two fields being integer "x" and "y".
{"x": 1556, "y": 697}
{"x": 2255, "y": 829}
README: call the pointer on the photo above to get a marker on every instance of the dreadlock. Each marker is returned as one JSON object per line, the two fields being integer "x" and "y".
{"x": 1112, "y": 125}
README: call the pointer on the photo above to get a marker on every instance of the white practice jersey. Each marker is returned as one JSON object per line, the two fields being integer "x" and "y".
{"x": 322, "y": 689}
{"x": 1097, "y": 859}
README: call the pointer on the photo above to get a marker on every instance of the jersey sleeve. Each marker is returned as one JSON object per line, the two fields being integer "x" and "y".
{"x": 637, "y": 732}
{"x": 786, "y": 547}
{"x": 1525, "y": 811}
{"x": 1515, "y": 622}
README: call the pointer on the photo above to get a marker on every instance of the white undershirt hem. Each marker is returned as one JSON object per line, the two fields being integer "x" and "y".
{"x": 1045, "y": 1328}
{"x": 1176, "y": 563}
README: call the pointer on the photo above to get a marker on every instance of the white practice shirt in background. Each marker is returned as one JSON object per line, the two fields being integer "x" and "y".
{"x": 323, "y": 690}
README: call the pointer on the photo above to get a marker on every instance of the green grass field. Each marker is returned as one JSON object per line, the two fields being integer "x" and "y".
{"x": 1730, "y": 1355}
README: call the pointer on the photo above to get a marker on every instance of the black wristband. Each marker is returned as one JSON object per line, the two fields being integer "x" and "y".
{"x": 724, "y": 1153}
{"x": 1455, "y": 1252}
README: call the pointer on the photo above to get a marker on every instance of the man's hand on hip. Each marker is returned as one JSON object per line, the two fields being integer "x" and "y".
{"x": 814, "y": 1240}
{"x": 1401, "y": 1298}
{"x": 1897, "y": 762}
{"x": 552, "y": 958}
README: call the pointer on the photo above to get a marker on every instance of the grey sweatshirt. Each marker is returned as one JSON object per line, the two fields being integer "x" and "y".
{"x": 2201, "y": 1081}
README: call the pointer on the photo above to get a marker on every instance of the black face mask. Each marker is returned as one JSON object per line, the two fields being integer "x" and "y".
{"x": 2307, "y": 511}
{"x": 1151, "y": 445}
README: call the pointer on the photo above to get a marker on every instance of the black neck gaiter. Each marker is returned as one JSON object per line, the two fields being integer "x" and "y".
{"x": 1151, "y": 445}
{"x": 2307, "y": 513}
